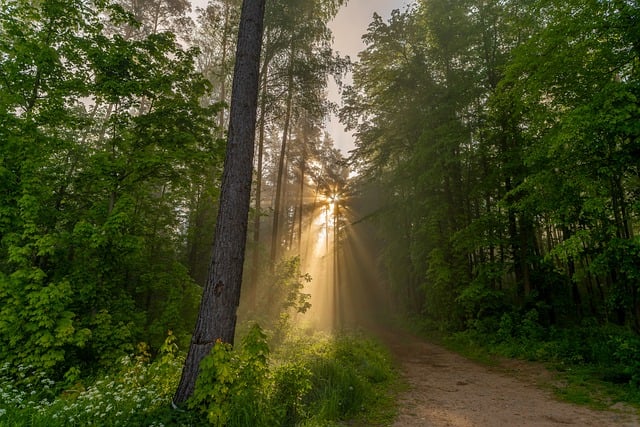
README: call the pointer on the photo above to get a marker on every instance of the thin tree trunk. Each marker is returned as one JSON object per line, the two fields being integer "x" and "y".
{"x": 225, "y": 48}
{"x": 221, "y": 295}
{"x": 258, "y": 208}
{"x": 303, "y": 164}
{"x": 275, "y": 237}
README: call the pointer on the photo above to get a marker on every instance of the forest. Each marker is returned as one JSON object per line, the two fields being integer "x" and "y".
{"x": 504, "y": 138}
{"x": 496, "y": 169}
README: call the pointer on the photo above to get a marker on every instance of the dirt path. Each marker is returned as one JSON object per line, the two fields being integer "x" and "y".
{"x": 446, "y": 389}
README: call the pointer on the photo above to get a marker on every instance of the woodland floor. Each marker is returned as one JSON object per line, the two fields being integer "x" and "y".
{"x": 445, "y": 389}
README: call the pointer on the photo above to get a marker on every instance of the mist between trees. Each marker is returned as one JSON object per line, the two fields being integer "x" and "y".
{"x": 505, "y": 138}
{"x": 497, "y": 159}
{"x": 112, "y": 153}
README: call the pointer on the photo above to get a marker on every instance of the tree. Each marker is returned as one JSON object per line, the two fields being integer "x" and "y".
{"x": 506, "y": 136}
{"x": 579, "y": 111}
{"x": 418, "y": 104}
{"x": 154, "y": 16}
{"x": 215, "y": 39}
{"x": 297, "y": 59}
{"x": 93, "y": 185}
{"x": 221, "y": 295}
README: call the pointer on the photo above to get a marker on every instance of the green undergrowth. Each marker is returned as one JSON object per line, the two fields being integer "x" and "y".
{"x": 594, "y": 364}
{"x": 308, "y": 380}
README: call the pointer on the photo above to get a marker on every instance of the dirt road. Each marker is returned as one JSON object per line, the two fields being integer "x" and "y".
{"x": 446, "y": 389}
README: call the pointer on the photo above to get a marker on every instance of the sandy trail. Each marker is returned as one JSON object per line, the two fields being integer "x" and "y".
{"x": 446, "y": 389}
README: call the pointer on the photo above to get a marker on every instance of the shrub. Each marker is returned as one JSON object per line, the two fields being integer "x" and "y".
{"x": 310, "y": 380}
{"x": 139, "y": 393}
{"x": 233, "y": 386}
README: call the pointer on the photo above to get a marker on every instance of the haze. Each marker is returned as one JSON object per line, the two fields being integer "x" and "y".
{"x": 348, "y": 27}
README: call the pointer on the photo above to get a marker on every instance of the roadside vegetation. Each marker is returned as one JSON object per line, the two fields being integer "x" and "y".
{"x": 308, "y": 380}
{"x": 277, "y": 375}
{"x": 595, "y": 365}
{"x": 503, "y": 139}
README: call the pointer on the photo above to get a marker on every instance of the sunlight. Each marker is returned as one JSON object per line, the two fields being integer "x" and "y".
{"x": 318, "y": 262}
{"x": 345, "y": 291}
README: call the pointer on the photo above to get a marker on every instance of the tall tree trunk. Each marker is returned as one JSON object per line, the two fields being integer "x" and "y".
{"x": 221, "y": 295}
{"x": 226, "y": 36}
{"x": 255, "y": 271}
{"x": 275, "y": 237}
{"x": 303, "y": 171}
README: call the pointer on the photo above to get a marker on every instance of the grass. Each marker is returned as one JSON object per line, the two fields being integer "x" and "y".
{"x": 583, "y": 385}
{"x": 310, "y": 380}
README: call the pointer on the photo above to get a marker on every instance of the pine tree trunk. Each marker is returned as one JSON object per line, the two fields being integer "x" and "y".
{"x": 255, "y": 269}
{"x": 303, "y": 171}
{"x": 221, "y": 295}
{"x": 275, "y": 237}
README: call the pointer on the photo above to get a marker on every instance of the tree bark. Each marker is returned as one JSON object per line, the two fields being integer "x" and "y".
{"x": 221, "y": 295}
{"x": 303, "y": 164}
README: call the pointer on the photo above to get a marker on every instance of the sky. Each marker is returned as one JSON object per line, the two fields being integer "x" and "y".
{"x": 348, "y": 27}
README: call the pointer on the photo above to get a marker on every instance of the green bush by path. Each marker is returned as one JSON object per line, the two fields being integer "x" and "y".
{"x": 313, "y": 380}
{"x": 309, "y": 380}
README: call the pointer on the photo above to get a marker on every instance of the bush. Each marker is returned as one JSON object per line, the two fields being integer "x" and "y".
{"x": 310, "y": 380}
{"x": 233, "y": 386}
{"x": 611, "y": 352}
{"x": 139, "y": 393}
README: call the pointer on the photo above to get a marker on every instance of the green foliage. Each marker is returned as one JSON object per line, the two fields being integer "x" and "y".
{"x": 310, "y": 380}
{"x": 36, "y": 321}
{"x": 232, "y": 385}
{"x": 347, "y": 376}
{"x": 138, "y": 393}
{"x": 102, "y": 140}
{"x": 282, "y": 295}
{"x": 604, "y": 352}
{"x": 292, "y": 383}
{"x": 502, "y": 139}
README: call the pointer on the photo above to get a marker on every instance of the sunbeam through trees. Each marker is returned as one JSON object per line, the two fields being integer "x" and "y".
{"x": 173, "y": 201}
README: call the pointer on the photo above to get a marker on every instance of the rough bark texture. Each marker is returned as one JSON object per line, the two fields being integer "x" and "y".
{"x": 221, "y": 295}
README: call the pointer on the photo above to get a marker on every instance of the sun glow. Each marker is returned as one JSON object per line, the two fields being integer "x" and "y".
{"x": 345, "y": 290}
{"x": 319, "y": 261}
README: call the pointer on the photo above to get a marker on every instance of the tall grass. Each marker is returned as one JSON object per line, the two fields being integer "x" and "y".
{"x": 309, "y": 380}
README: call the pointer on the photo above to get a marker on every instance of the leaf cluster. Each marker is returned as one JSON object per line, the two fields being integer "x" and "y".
{"x": 104, "y": 151}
